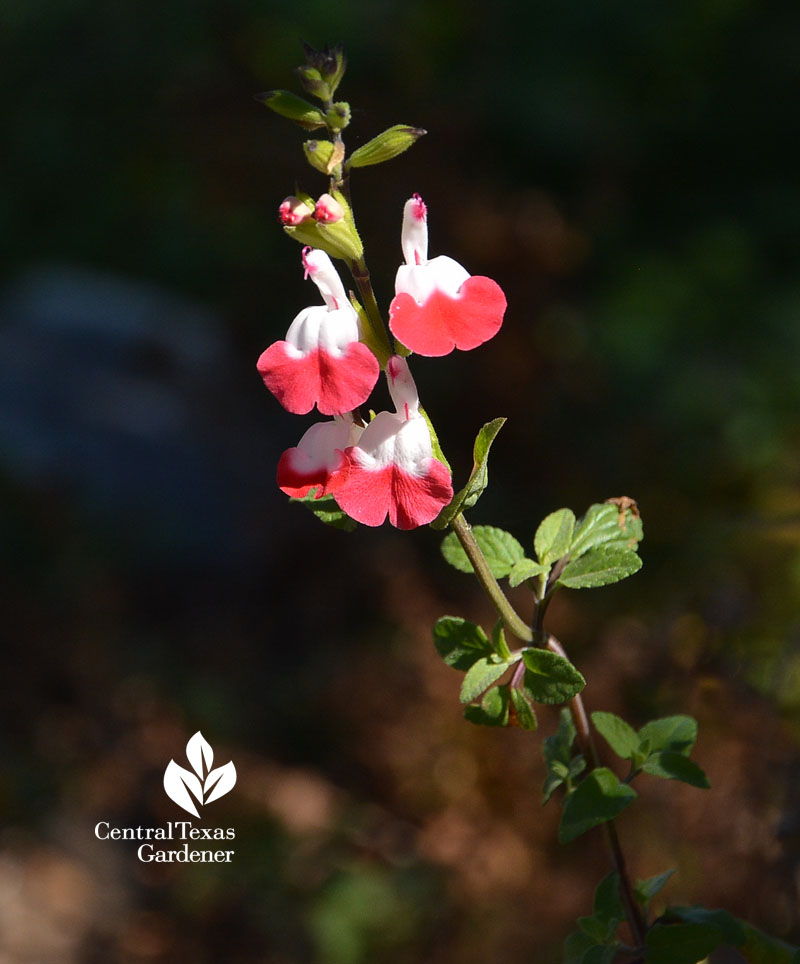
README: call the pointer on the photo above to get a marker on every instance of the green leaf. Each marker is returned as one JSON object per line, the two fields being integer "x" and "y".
{"x": 499, "y": 644}
{"x": 553, "y": 537}
{"x": 597, "y": 799}
{"x": 493, "y": 709}
{"x": 731, "y": 929}
{"x": 460, "y": 643}
{"x": 499, "y": 547}
{"x": 600, "y": 567}
{"x": 478, "y": 479}
{"x": 327, "y": 510}
{"x": 600, "y": 954}
{"x": 682, "y": 943}
{"x": 558, "y": 756}
{"x": 620, "y": 736}
{"x": 523, "y": 707}
{"x": 600, "y": 527}
{"x": 480, "y": 677}
{"x": 646, "y": 890}
{"x": 295, "y": 108}
{"x": 576, "y": 947}
{"x": 677, "y": 733}
{"x": 672, "y": 765}
{"x": 525, "y": 569}
{"x": 608, "y": 906}
{"x": 385, "y": 146}
{"x": 549, "y": 678}
{"x": 760, "y": 948}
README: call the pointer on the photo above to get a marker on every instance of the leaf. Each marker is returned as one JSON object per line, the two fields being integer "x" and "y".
{"x": 327, "y": 510}
{"x": 600, "y": 527}
{"x": 176, "y": 781}
{"x": 576, "y": 946}
{"x": 599, "y": 798}
{"x": 645, "y": 890}
{"x": 524, "y": 709}
{"x": 460, "y": 643}
{"x": 600, "y": 567}
{"x": 759, "y": 948}
{"x": 620, "y": 736}
{"x": 199, "y": 754}
{"x": 677, "y": 733}
{"x": 478, "y": 479}
{"x": 385, "y": 146}
{"x": 553, "y": 537}
{"x": 480, "y": 677}
{"x": 600, "y": 954}
{"x": 499, "y": 644}
{"x": 681, "y": 943}
{"x": 608, "y": 906}
{"x": 731, "y": 928}
{"x": 525, "y": 569}
{"x": 499, "y": 547}
{"x": 675, "y": 766}
{"x": 549, "y": 678}
{"x": 493, "y": 709}
{"x": 220, "y": 781}
{"x": 558, "y": 756}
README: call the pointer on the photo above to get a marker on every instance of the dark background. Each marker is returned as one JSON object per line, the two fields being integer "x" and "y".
{"x": 628, "y": 173}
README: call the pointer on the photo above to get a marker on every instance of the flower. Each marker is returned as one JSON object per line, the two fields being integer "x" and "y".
{"x": 321, "y": 362}
{"x": 438, "y": 305}
{"x": 391, "y": 469}
{"x": 327, "y": 210}
{"x": 294, "y": 211}
{"x": 318, "y": 458}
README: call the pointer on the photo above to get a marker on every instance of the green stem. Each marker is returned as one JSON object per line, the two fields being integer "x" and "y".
{"x": 378, "y": 336}
{"x": 583, "y": 729}
{"x": 513, "y": 622}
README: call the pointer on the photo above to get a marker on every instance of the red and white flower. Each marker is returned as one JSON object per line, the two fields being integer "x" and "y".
{"x": 318, "y": 458}
{"x": 391, "y": 470}
{"x": 321, "y": 362}
{"x": 438, "y": 305}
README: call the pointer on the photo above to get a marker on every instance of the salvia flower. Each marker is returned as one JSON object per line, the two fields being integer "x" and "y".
{"x": 438, "y": 305}
{"x": 317, "y": 460}
{"x": 391, "y": 470}
{"x": 321, "y": 362}
{"x": 294, "y": 211}
{"x": 328, "y": 210}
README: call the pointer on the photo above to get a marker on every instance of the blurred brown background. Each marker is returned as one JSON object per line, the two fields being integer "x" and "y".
{"x": 628, "y": 173}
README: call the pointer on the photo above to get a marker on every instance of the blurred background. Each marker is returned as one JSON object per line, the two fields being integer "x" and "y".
{"x": 628, "y": 173}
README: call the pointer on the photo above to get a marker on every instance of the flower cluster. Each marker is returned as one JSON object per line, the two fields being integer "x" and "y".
{"x": 386, "y": 467}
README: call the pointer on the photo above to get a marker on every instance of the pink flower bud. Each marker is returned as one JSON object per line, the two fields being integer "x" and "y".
{"x": 328, "y": 210}
{"x": 293, "y": 211}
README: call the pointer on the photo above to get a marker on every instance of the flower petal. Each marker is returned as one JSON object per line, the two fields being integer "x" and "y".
{"x": 317, "y": 459}
{"x": 409, "y": 500}
{"x": 336, "y": 384}
{"x": 443, "y": 322}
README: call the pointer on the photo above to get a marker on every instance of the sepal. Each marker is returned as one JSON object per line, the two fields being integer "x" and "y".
{"x": 385, "y": 146}
{"x": 295, "y": 108}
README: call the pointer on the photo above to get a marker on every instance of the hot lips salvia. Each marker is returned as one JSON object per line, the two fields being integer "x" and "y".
{"x": 386, "y": 467}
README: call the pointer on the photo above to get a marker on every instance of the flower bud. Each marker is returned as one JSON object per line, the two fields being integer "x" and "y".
{"x": 294, "y": 211}
{"x": 293, "y": 107}
{"x": 330, "y": 62}
{"x": 338, "y": 117}
{"x": 313, "y": 83}
{"x": 319, "y": 154}
{"x": 328, "y": 210}
{"x": 385, "y": 146}
{"x": 338, "y": 238}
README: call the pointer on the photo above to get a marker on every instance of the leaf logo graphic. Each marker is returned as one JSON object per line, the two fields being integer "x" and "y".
{"x": 205, "y": 784}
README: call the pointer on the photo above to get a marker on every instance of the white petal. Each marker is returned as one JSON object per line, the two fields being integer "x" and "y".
{"x": 319, "y": 327}
{"x": 440, "y": 274}
{"x": 391, "y": 439}
{"x": 318, "y": 446}
{"x": 322, "y": 272}
{"x": 401, "y": 387}
{"x": 414, "y": 238}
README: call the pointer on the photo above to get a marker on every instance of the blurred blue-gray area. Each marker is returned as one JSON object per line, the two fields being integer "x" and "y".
{"x": 628, "y": 174}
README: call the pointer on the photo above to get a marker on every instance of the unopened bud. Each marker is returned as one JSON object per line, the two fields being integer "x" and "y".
{"x": 319, "y": 154}
{"x": 385, "y": 146}
{"x": 313, "y": 83}
{"x": 330, "y": 62}
{"x": 328, "y": 210}
{"x": 338, "y": 117}
{"x": 293, "y": 107}
{"x": 294, "y": 211}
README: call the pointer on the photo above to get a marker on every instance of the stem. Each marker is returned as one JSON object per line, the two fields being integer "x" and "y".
{"x": 588, "y": 749}
{"x": 380, "y": 335}
{"x": 513, "y": 622}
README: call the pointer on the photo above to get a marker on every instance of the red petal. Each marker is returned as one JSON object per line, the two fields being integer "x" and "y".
{"x": 295, "y": 482}
{"x": 335, "y": 385}
{"x": 444, "y": 323}
{"x": 408, "y": 500}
